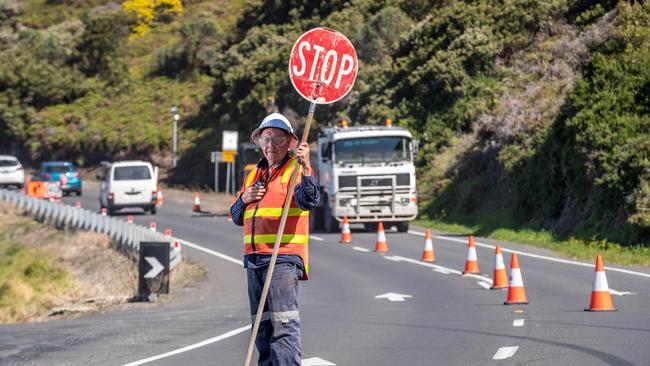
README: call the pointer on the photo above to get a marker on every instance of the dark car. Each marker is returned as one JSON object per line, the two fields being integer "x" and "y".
{"x": 61, "y": 171}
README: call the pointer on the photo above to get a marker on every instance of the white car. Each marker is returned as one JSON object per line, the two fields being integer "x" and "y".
{"x": 11, "y": 172}
{"x": 128, "y": 184}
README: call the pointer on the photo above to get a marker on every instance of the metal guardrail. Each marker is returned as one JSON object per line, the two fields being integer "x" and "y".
{"x": 127, "y": 237}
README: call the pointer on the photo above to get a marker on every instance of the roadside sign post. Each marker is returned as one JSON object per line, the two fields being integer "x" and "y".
{"x": 153, "y": 269}
{"x": 229, "y": 145}
{"x": 216, "y": 158}
{"x": 322, "y": 67}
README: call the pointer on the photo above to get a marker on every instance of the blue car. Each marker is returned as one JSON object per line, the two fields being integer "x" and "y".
{"x": 61, "y": 171}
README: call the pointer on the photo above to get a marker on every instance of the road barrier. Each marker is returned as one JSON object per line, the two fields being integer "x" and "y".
{"x": 126, "y": 236}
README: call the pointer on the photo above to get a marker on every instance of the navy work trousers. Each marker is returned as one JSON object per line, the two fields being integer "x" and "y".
{"x": 278, "y": 338}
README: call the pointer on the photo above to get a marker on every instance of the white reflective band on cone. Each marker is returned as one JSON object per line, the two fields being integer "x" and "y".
{"x": 600, "y": 282}
{"x": 381, "y": 236}
{"x": 428, "y": 245}
{"x": 498, "y": 262}
{"x": 471, "y": 254}
{"x": 515, "y": 278}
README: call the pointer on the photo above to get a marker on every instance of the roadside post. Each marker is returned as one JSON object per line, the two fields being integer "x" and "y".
{"x": 229, "y": 146}
{"x": 176, "y": 117}
{"x": 153, "y": 269}
{"x": 216, "y": 158}
{"x": 322, "y": 68}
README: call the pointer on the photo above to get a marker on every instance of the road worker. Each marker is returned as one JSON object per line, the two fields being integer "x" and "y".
{"x": 259, "y": 208}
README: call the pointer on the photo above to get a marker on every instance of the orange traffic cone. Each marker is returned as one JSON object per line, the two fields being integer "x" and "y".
{"x": 77, "y": 204}
{"x": 129, "y": 219}
{"x": 168, "y": 233}
{"x": 197, "y": 203}
{"x": 103, "y": 211}
{"x": 152, "y": 226}
{"x": 381, "y": 246}
{"x": 601, "y": 300}
{"x": 346, "y": 235}
{"x": 159, "y": 197}
{"x": 428, "y": 255}
{"x": 471, "y": 264}
{"x": 500, "y": 278}
{"x": 229, "y": 218}
{"x": 516, "y": 290}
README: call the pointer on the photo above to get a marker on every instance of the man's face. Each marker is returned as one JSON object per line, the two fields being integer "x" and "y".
{"x": 274, "y": 143}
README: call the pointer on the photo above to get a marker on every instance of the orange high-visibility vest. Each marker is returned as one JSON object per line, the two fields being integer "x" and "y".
{"x": 262, "y": 218}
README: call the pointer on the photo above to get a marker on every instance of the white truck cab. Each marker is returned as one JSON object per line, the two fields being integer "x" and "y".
{"x": 128, "y": 184}
{"x": 367, "y": 174}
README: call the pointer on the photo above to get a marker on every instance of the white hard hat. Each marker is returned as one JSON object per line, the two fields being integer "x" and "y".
{"x": 275, "y": 120}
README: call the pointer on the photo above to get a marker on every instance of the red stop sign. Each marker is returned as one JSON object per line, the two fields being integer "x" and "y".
{"x": 323, "y": 65}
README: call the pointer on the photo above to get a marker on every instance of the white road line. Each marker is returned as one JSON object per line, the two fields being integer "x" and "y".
{"x": 440, "y": 270}
{"x": 552, "y": 259}
{"x": 518, "y": 322}
{"x": 505, "y": 352}
{"x": 317, "y": 238}
{"x": 210, "y": 251}
{"x": 621, "y": 293}
{"x": 359, "y": 249}
{"x": 485, "y": 285}
{"x": 191, "y": 347}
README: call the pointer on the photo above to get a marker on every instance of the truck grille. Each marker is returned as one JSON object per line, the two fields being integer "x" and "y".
{"x": 350, "y": 181}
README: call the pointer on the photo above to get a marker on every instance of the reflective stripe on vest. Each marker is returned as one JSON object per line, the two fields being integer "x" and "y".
{"x": 274, "y": 212}
{"x": 270, "y": 238}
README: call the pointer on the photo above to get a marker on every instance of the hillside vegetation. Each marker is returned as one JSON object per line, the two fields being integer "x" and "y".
{"x": 531, "y": 114}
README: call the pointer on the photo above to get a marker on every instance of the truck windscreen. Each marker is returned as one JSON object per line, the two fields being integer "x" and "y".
{"x": 384, "y": 149}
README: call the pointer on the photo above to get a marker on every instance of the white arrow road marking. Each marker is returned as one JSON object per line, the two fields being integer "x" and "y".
{"x": 505, "y": 352}
{"x": 552, "y": 259}
{"x": 317, "y": 238}
{"x": 392, "y": 296}
{"x": 621, "y": 293}
{"x": 518, "y": 322}
{"x": 485, "y": 285}
{"x": 359, "y": 249}
{"x": 156, "y": 267}
{"x": 315, "y": 361}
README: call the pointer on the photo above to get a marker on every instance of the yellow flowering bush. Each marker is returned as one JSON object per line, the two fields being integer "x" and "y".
{"x": 148, "y": 11}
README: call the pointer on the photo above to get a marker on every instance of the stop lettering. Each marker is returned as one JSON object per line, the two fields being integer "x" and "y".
{"x": 323, "y": 65}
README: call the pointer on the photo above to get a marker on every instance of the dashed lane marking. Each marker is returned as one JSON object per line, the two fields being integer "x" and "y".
{"x": 210, "y": 251}
{"x": 360, "y": 249}
{"x": 317, "y": 238}
{"x": 558, "y": 260}
{"x": 518, "y": 322}
{"x": 505, "y": 352}
{"x": 485, "y": 285}
{"x": 191, "y": 347}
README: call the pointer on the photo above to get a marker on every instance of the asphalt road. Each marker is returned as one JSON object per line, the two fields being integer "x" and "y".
{"x": 448, "y": 319}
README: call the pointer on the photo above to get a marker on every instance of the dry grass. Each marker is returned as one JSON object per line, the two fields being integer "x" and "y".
{"x": 48, "y": 274}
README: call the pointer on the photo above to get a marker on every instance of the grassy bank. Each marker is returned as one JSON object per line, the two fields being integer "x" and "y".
{"x": 50, "y": 274}
{"x": 487, "y": 226}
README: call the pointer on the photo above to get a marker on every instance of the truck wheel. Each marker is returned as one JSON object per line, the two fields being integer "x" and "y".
{"x": 403, "y": 226}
